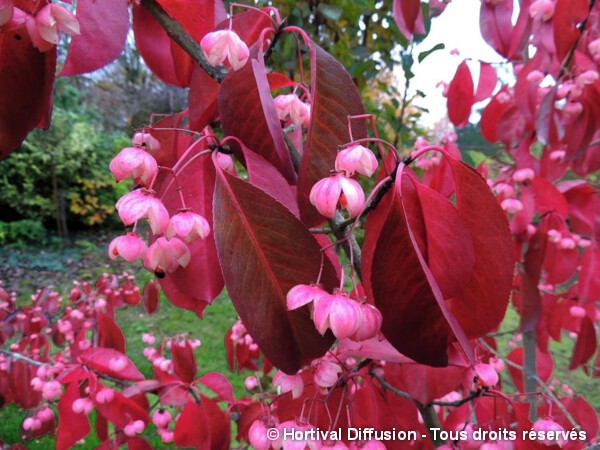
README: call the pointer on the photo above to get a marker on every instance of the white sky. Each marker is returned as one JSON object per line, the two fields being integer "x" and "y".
{"x": 458, "y": 28}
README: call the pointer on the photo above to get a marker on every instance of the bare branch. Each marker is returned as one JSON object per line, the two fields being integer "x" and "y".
{"x": 185, "y": 41}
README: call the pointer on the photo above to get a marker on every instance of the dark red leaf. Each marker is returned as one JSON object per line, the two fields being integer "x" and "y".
{"x": 183, "y": 360}
{"x": 334, "y": 98}
{"x": 257, "y": 237}
{"x": 586, "y": 344}
{"x": 248, "y": 113}
{"x": 151, "y": 296}
{"x": 72, "y": 426}
{"x": 104, "y": 27}
{"x": 27, "y": 80}
{"x": 192, "y": 428}
{"x": 138, "y": 443}
{"x": 460, "y": 96}
{"x": 266, "y": 177}
{"x": 219, "y": 424}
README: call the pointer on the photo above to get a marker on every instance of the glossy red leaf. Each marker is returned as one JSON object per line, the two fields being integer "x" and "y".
{"x": 409, "y": 17}
{"x": 586, "y": 344}
{"x": 200, "y": 282}
{"x": 334, "y": 98}
{"x": 460, "y": 96}
{"x": 99, "y": 359}
{"x": 72, "y": 426}
{"x": 27, "y": 80}
{"x": 184, "y": 362}
{"x": 257, "y": 237}
{"x": 192, "y": 428}
{"x": 248, "y": 113}
{"x": 493, "y": 113}
{"x": 104, "y": 27}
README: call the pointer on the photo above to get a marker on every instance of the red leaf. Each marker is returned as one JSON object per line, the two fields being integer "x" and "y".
{"x": 448, "y": 246}
{"x": 104, "y": 27}
{"x": 248, "y": 113}
{"x": 255, "y": 259}
{"x": 99, "y": 359}
{"x": 219, "y": 384}
{"x": 151, "y": 296}
{"x": 162, "y": 55}
{"x": 424, "y": 383}
{"x": 399, "y": 275}
{"x": 487, "y": 82}
{"x": 137, "y": 443}
{"x": 219, "y": 425}
{"x": 544, "y": 363}
{"x": 72, "y": 426}
{"x": 460, "y": 96}
{"x": 334, "y": 98}
{"x": 192, "y": 428}
{"x": 203, "y": 88}
{"x": 422, "y": 333}
{"x": 409, "y": 17}
{"x": 120, "y": 410}
{"x": 198, "y": 284}
{"x": 266, "y": 177}
{"x": 110, "y": 334}
{"x": 568, "y": 14}
{"x": 493, "y": 113}
{"x": 184, "y": 361}
{"x": 27, "y": 80}
{"x": 589, "y": 281}
{"x": 586, "y": 344}
{"x": 495, "y": 24}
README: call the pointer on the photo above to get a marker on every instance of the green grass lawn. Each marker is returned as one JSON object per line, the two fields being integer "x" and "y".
{"x": 169, "y": 321}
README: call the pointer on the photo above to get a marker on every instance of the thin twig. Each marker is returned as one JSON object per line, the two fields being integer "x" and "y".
{"x": 544, "y": 386}
{"x": 176, "y": 32}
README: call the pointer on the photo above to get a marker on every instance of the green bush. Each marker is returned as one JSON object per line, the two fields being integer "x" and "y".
{"x": 21, "y": 232}
{"x": 60, "y": 176}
